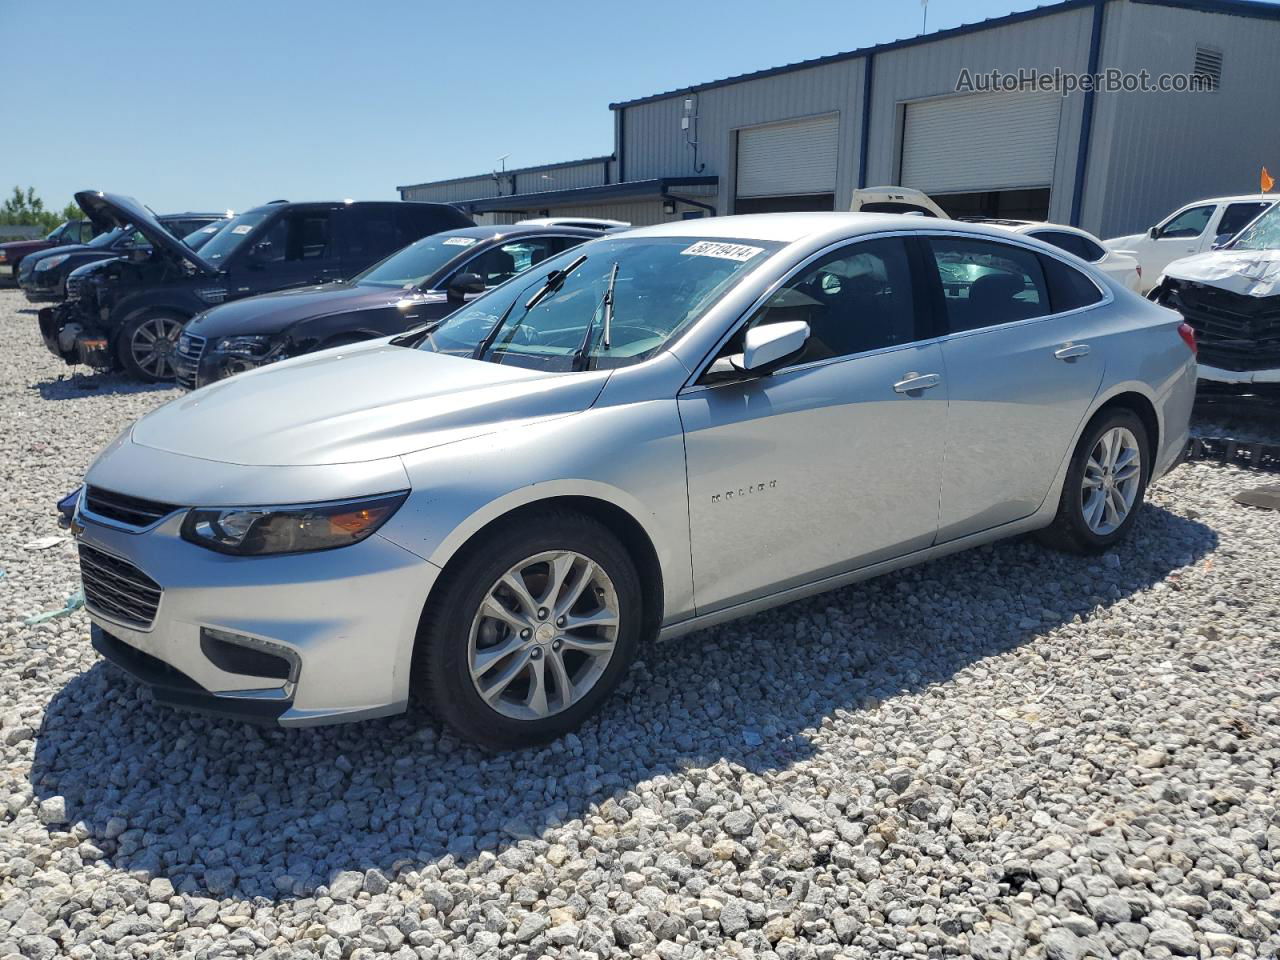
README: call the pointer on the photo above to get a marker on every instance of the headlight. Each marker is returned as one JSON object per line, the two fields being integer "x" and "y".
{"x": 48, "y": 263}
{"x": 254, "y": 531}
{"x": 245, "y": 346}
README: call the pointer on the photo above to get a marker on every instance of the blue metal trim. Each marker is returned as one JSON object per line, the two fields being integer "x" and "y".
{"x": 864, "y": 144}
{"x": 631, "y": 189}
{"x": 1086, "y": 115}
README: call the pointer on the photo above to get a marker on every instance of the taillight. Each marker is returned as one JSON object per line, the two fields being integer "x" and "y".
{"x": 1188, "y": 334}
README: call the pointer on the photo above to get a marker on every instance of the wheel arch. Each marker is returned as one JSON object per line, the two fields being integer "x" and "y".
{"x": 1130, "y": 398}
{"x": 637, "y": 541}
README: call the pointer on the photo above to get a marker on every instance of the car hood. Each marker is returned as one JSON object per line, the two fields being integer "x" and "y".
{"x": 110, "y": 210}
{"x": 360, "y": 403}
{"x": 11, "y": 245}
{"x": 273, "y": 312}
{"x": 71, "y": 248}
{"x": 1253, "y": 273}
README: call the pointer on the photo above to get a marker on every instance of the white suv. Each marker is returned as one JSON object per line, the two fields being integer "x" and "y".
{"x": 1192, "y": 229}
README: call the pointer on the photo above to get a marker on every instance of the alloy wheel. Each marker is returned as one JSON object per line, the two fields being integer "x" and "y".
{"x": 154, "y": 345}
{"x": 544, "y": 635}
{"x": 1112, "y": 476}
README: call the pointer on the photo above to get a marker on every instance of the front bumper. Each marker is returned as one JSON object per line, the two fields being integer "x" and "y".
{"x": 9, "y": 274}
{"x": 200, "y": 363}
{"x": 72, "y": 337}
{"x": 348, "y": 618}
{"x": 43, "y": 286}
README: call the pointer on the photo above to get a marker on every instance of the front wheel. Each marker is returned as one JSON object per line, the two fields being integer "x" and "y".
{"x": 531, "y": 631}
{"x": 147, "y": 347}
{"x": 1105, "y": 485}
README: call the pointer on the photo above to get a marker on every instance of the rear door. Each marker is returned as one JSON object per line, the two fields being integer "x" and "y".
{"x": 1022, "y": 367}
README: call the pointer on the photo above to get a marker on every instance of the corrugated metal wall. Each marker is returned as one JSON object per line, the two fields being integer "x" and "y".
{"x": 931, "y": 70}
{"x": 1154, "y": 152}
{"x": 656, "y": 146}
{"x": 552, "y": 176}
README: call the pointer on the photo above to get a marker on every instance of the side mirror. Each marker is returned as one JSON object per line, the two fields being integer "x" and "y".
{"x": 464, "y": 285}
{"x": 1154, "y": 233}
{"x": 773, "y": 344}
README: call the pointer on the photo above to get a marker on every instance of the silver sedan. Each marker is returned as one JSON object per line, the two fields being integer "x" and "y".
{"x": 656, "y": 431}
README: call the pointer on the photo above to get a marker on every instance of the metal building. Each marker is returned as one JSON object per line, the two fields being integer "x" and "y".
{"x": 920, "y": 113}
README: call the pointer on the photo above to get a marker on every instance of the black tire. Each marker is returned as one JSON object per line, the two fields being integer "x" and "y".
{"x": 1070, "y": 531}
{"x": 441, "y": 676}
{"x": 162, "y": 369}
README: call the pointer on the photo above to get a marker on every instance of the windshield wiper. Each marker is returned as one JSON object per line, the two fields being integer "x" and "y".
{"x": 414, "y": 337}
{"x": 555, "y": 280}
{"x": 583, "y": 356}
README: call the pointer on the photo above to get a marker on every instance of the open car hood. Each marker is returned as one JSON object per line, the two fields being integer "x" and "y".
{"x": 1251, "y": 273}
{"x": 110, "y": 210}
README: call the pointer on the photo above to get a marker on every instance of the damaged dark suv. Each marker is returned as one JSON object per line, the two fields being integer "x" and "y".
{"x": 1231, "y": 296}
{"x": 127, "y": 313}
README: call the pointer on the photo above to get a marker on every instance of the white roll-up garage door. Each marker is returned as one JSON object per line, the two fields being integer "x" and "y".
{"x": 983, "y": 141}
{"x": 788, "y": 159}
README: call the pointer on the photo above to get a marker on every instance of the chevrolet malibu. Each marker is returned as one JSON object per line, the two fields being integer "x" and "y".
{"x": 650, "y": 433}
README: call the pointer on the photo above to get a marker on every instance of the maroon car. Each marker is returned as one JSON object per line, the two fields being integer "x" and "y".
{"x": 11, "y": 253}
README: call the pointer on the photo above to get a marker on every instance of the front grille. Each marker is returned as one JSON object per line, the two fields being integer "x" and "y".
{"x": 1233, "y": 331}
{"x": 190, "y": 350}
{"x": 75, "y": 287}
{"x": 122, "y": 508}
{"x": 117, "y": 589}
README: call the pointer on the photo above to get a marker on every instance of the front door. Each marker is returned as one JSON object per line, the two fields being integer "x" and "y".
{"x": 297, "y": 249}
{"x": 1183, "y": 234}
{"x": 832, "y": 462}
{"x": 1024, "y": 359}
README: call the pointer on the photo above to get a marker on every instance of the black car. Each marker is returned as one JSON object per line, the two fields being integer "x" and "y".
{"x": 43, "y": 276}
{"x": 425, "y": 281}
{"x": 129, "y": 312}
{"x": 13, "y": 252}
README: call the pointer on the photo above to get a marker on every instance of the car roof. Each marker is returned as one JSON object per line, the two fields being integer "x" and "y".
{"x": 397, "y": 204}
{"x": 791, "y": 227}
{"x": 191, "y": 215}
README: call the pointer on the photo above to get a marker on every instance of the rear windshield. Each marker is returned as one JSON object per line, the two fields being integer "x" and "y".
{"x": 227, "y": 240}
{"x": 1262, "y": 234}
{"x": 198, "y": 238}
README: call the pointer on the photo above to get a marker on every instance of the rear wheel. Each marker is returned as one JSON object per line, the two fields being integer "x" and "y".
{"x": 147, "y": 346}
{"x": 531, "y": 631}
{"x": 1105, "y": 485}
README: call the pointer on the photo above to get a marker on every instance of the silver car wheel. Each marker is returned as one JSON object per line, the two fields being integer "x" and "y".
{"x": 154, "y": 344}
{"x": 1112, "y": 476}
{"x": 544, "y": 635}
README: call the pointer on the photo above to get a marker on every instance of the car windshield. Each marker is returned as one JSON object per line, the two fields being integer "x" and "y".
{"x": 227, "y": 240}
{"x": 1262, "y": 234}
{"x": 198, "y": 238}
{"x": 659, "y": 286}
{"x": 108, "y": 238}
{"x": 409, "y": 267}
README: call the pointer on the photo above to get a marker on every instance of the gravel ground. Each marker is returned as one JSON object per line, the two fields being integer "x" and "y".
{"x": 1007, "y": 753}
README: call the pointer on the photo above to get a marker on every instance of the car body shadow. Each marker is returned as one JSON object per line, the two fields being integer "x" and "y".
{"x": 78, "y": 385}
{"x": 224, "y": 809}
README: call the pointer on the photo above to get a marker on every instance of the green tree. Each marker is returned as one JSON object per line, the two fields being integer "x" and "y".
{"x": 24, "y": 208}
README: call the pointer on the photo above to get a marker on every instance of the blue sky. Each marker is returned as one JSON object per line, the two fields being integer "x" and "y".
{"x": 232, "y": 103}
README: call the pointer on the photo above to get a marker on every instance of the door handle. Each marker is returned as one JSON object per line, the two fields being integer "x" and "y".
{"x": 915, "y": 382}
{"x": 1070, "y": 351}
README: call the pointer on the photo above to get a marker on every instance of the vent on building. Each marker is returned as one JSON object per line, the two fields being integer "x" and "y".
{"x": 1208, "y": 69}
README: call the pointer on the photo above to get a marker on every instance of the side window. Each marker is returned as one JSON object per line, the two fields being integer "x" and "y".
{"x": 1069, "y": 289}
{"x": 502, "y": 263}
{"x": 857, "y": 299}
{"x": 561, "y": 244}
{"x": 1238, "y": 216}
{"x": 369, "y": 234}
{"x": 298, "y": 235}
{"x": 85, "y": 231}
{"x": 1187, "y": 224}
{"x": 1082, "y": 247}
{"x": 985, "y": 283}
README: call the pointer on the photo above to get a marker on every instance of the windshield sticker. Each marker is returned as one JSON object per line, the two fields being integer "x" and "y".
{"x": 242, "y": 228}
{"x": 724, "y": 251}
{"x": 459, "y": 241}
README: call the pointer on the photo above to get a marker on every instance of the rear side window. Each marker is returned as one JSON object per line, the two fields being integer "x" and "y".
{"x": 986, "y": 283}
{"x": 1082, "y": 247}
{"x": 369, "y": 234}
{"x": 1239, "y": 215}
{"x": 415, "y": 222}
{"x": 1069, "y": 289}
